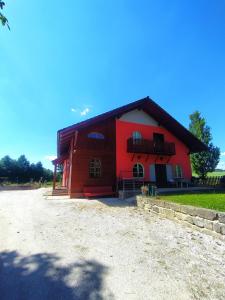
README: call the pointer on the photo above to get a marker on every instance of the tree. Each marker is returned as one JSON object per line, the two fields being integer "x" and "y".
{"x": 8, "y": 168}
{"x": 23, "y": 166}
{"x": 22, "y": 171}
{"x": 3, "y": 19}
{"x": 207, "y": 161}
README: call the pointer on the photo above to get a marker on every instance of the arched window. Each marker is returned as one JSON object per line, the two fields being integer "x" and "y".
{"x": 95, "y": 168}
{"x": 138, "y": 171}
{"x": 136, "y": 135}
{"x": 96, "y": 135}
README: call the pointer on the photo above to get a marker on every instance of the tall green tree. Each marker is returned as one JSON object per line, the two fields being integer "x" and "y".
{"x": 206, "y": 161}
{"x": 20, "y": 170}
{"x": 23, "y": 166}
{"x": 3, "y": 19}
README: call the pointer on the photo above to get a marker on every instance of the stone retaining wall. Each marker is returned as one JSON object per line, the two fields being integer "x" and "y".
{"x": 201, "y": 217}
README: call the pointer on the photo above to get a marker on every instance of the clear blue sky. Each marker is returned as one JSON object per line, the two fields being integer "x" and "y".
{"x": 65, "y": 61}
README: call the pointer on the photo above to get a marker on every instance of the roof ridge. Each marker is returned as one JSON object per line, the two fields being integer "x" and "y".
{"x": 105, "y": 113}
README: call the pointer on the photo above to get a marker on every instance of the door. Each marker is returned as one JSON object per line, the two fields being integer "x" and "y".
{"x": 161, "y": 178}
{"x": 158, "y": 142}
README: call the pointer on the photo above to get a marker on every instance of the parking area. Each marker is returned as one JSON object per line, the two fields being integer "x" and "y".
{"x": 107, "y": 249}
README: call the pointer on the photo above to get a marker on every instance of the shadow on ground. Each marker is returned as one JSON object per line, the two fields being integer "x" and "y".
{"x": 41, "y": 277}
{"x": 116, "y": 202}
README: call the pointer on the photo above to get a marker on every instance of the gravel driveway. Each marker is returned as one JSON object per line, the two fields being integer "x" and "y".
{"x": 91, "y": 250}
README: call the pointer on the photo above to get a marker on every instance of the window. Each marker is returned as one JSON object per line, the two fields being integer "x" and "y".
{"x": 178, "y": 171}
{"x": 136, "y": 135}
{"x": 138, "y": 171}
{"x": 95, "y": 169}
{"x": 96, "y": 135}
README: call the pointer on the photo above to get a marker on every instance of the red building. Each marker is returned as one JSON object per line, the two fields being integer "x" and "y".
{"x": 139, "y": 141}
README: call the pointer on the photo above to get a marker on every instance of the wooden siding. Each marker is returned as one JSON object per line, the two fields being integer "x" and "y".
{"x": 87, "y": 149}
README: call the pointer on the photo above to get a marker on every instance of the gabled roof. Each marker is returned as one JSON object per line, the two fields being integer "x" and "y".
{"x": 150, "y": 107}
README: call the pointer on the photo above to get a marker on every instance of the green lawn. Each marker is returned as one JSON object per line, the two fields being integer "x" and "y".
{"x": 213, "y": 174}
{"x": 211, "y": 200}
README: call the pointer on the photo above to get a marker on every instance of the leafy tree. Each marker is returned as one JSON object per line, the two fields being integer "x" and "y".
{"x": 39, "y": 170}
{"x": 3, "y": 19}
{"x": 21, "y": 170}
{"x": 23, "y": 166}
{"x": 206, "y": 161}
{"x": 8, "y": 168}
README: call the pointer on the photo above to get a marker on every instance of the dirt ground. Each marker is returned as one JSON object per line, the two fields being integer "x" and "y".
{"x": 79, "y": 249}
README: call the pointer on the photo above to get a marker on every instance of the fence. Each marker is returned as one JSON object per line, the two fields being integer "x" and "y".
{"x": 217, "y": 181}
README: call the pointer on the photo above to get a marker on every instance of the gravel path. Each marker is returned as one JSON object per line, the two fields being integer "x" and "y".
{"x": 91, "y": 250}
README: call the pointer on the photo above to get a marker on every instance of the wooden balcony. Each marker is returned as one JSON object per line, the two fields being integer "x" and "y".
{"x": 150, "y": 147}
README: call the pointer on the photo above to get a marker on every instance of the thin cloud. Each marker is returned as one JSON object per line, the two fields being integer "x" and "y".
{"x": 222, "y": 153}
{"x": 50, "y": 157}
{"x": 85, "y": 111}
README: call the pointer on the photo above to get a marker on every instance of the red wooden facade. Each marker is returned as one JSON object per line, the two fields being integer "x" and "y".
{"x": 136, "y": 140}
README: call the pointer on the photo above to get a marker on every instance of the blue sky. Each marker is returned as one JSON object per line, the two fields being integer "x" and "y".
{"x": 65, "y": 61}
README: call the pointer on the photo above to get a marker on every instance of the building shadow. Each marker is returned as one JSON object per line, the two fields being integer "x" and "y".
{"x": 42, "y": 276}
{"x": 116, "y": 202}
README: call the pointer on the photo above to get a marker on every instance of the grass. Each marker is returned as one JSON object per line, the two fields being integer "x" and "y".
{"x": 222, "y": 173}
{"x": 213, "y": 174}
{"x": 210, "y": 200}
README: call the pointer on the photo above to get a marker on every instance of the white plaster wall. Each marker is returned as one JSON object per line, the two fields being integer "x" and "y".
{"x": 138, "y": 116}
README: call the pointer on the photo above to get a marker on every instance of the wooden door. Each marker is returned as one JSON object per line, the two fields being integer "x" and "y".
{"x": 161, "y": 178}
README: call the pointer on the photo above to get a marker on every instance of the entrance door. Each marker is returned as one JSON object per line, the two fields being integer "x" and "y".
{"x": 160, "y": 173}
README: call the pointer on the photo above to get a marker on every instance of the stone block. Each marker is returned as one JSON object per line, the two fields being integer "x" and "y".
{"x": 190, "y": 210}
{"x": 198, "y": 222}
{"x": 155, "y": 208}
{"x": 174, "y": 206}
{"x": 206, "y": 213}
{"x": 177, "y": 207}
{"x": 179, "y": 215}
{"x": 208, "y": 224}
{"x": 216, "y": 227}
{"x": 188, "y": 219}
{"x": 147, "y": 206}
{"x": 169, "y": 213}
{"x": 221, "y": 217}
{"x": 156, "y": 202}
{"x": 161, "y": 210}
{"x": 222, "y": 229}
{"x": 167, "y": 204}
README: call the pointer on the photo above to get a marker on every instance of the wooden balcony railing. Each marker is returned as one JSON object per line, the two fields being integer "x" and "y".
{"x": 150, "y": 147}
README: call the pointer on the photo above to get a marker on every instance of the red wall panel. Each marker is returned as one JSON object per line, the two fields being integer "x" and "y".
{"x": 125, "y": 161}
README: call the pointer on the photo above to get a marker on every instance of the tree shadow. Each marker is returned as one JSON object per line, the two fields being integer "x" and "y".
{"x": 42, "y": 276}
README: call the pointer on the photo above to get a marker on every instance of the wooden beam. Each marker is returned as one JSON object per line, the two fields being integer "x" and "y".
{"x": 54, "y": 177}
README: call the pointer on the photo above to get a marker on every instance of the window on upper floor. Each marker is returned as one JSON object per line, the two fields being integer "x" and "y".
{"x": 95, "y": 168}
{"x": 96, "y": 135}
{"x": 137, "y": 137}
{"x": 138, "y": 171}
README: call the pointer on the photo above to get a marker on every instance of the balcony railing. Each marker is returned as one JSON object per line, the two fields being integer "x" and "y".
{"x": 150, "y": 147}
